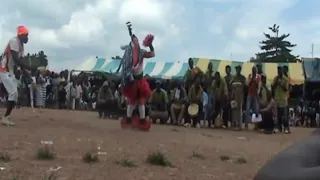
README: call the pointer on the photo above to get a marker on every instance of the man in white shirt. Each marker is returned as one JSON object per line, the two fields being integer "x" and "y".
{"x": 10, "y": 59}
{"x": 78, "y": 96}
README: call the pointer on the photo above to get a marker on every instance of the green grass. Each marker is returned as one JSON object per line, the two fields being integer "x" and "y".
{"x": 158, "y": 159}
{"x": 126, "y": 163}
{"x": 241, "y": 160}
{"x": 5, "y": 157}
{"x": 225, "y": 158}
{"x": 46, "y": 153}
{"x": 90, "y": 157}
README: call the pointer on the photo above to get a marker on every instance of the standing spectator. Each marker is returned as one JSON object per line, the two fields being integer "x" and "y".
{"x": 32, "y": 89}
{"x": 280, "y": 86}
{"x": 62, "y": 96}
{"x": 73, "y": 94}
{"x": 41, "y": 90}
{"x": 219, "y": 89}
{"x": 78, "y": 97}
{"x": 254, "y": 83}
{"x": 55, "y": 88}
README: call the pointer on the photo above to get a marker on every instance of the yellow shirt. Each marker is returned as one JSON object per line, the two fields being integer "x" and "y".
{"x": 281, "y": 95}
{"x": 158, "y": 96}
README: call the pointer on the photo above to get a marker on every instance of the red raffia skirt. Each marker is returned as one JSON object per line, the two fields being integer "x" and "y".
{"x": 139, "y": 91}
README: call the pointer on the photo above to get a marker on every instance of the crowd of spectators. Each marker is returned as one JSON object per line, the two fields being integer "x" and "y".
{"x": 168, "y": 102}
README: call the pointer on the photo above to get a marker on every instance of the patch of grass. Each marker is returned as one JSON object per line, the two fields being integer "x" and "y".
{"x": 225, "y": 158}
{"x": 175, "y": 130}
{"x": 5, "y": 157}
{"x": 197, "y": 155}
{"x": 158, "y": 159}
{"x": 46, "y": 153}
{"x": 90, "y": 157}
{"x": 50, "y": 176}
{"x": 126, "y": 163}
{"x": 241, "y": 160}
{"x": 15, "y": 177}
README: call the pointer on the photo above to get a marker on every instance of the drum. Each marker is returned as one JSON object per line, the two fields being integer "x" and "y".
{"x": 193, "y": 110}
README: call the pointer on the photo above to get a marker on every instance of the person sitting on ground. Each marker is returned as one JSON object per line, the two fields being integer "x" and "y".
{"x": 195, "y": 96}
{"x": 178, "y": 100}
{"x": 104, "y": 100}
{"x": 158, "y": 104}
{"x": 268, "y": 114}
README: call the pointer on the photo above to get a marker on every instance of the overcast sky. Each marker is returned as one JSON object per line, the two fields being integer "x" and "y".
{"x": 71, "y": 31}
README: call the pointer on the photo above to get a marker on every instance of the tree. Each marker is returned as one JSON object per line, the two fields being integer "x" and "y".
{"x": 275, "y": 48}
{"x": 36, "y": 60}
{"x": 116, "y": 58}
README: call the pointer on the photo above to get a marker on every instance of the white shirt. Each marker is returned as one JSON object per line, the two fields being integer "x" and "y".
{"x": 78, "y": 91}
{"x": 14, "y": 45}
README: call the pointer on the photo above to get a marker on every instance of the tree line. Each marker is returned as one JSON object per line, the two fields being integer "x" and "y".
{"x": 35, "y": 60}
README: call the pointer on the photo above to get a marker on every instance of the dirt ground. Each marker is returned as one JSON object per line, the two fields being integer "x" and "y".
{"x": 73, "y": 133}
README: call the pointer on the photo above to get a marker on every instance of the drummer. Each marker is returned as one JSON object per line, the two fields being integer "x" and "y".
{"x": 219, "y": 90}
{"x": 190, "y": 74}
{"x": 195, "y": 96}
{"x": 178, "y": 100}
{"x": 158, "y": 104}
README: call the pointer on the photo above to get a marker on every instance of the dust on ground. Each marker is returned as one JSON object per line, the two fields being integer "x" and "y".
{"x": 75, "y": 132}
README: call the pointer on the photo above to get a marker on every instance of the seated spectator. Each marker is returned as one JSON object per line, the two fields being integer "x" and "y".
{"x": 268, "y": 115}
{"x": 105, "y": 100}
{"x": 178, "y": 100}
{"x": 195, "y": 97}
{"x": 158, "y": 104}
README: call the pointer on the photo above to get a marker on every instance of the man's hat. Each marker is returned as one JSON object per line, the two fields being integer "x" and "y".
{"x": 22, "y": 30}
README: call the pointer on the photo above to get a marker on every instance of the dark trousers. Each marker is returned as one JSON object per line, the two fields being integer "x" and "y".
{"x": 267, "y": 123}
{"x": 217, "y": 110}
{"x": 196, "y": 119}
{"x": 102, "y": 109}
{"x": 62, "y": 104}
{"x": 226, "y": 115}
{"x": 108, "y": 109}
{"x": 282, "y": 116}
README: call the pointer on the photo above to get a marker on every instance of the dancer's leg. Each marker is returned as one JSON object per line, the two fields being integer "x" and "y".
{"x": 12, "y": 89}
{"x": 130, "y": 109}
{"x": 142, "y": 113}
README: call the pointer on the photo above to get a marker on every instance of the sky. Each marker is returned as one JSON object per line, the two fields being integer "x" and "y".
{"x": 70, "y": 32}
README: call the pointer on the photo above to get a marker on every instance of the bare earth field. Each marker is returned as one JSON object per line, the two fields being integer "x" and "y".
{"x": 74, "y": 133}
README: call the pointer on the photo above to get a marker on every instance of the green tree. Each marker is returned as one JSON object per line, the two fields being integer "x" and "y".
{"x": 36, "y": 60}
{"x": 275, "y": 48}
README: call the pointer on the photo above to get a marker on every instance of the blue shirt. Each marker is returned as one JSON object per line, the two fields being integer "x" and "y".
{"x": 205, "y": 99}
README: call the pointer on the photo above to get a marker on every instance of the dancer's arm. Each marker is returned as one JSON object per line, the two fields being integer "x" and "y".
{"x": 149, "y": 54}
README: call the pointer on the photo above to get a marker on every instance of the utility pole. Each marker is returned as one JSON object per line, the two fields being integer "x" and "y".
{"x": 312, "y": 50}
